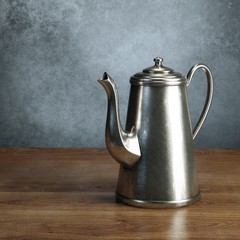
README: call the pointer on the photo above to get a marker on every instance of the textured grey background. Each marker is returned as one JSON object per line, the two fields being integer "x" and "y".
{"x": 52, "y": 53}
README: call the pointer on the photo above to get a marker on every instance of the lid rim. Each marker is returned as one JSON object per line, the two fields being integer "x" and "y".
{"x": 158, "y": 83}
{"x": 159, "y": 79}
{"x": 158, "y": 76}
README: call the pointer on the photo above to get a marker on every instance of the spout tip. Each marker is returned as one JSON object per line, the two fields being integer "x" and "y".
{"x": 105, "y": 76}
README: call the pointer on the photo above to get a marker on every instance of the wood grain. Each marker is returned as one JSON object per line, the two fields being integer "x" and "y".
{"x": 69, "y": 194}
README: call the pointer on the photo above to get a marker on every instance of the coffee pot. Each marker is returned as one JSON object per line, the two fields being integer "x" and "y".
{"x": 155, "y": 150}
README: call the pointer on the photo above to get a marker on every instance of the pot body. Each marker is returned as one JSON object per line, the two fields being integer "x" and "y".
{"x": 165, "y": 175}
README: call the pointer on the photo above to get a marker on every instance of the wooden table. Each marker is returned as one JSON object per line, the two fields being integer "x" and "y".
{"x": 69, "y": 194}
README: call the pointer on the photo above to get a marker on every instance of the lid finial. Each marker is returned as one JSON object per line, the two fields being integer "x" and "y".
{"x": 158, "y": 61}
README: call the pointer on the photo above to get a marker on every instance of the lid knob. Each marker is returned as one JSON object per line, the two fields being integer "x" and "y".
{"x": 158, "y": 61}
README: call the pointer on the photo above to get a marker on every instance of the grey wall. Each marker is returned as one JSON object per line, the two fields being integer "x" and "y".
{"x": 52, "y": 52}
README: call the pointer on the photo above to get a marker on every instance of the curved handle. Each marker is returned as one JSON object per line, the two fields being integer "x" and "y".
{"x": 209, "y": 94}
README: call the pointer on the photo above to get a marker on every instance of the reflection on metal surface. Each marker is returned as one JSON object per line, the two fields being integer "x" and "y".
{"x": 156, "y": 151}
{"x": 177, "y": 142}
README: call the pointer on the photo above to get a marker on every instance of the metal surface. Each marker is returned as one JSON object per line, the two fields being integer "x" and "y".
{"x": 122, "y": 145}
{"x": 157, "y": 204}
{"x": 209, "y": 94}
{"x": 158, "y": 75}
{"x": 165, "y": 175}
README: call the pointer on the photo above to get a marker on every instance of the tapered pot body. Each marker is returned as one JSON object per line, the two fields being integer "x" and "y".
{"x": 165, "y": 175}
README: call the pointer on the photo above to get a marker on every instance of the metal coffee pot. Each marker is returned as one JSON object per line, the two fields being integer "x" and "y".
{"x": 155, "y": 151}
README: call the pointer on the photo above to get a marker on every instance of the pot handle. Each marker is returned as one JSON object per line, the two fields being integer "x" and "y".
{"x": 209, "y": 94}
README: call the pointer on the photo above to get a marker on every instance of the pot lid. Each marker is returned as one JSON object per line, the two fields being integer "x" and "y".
{"x": 158, "y": 74}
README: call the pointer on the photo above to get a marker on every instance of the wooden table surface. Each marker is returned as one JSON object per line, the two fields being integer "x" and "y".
{"x": 69, "y": 194}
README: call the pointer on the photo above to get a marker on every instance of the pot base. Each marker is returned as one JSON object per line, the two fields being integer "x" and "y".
{"x": 157, "y": 204}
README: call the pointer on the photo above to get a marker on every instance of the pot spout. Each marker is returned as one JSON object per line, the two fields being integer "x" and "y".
{"x": 123, "y": 146}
